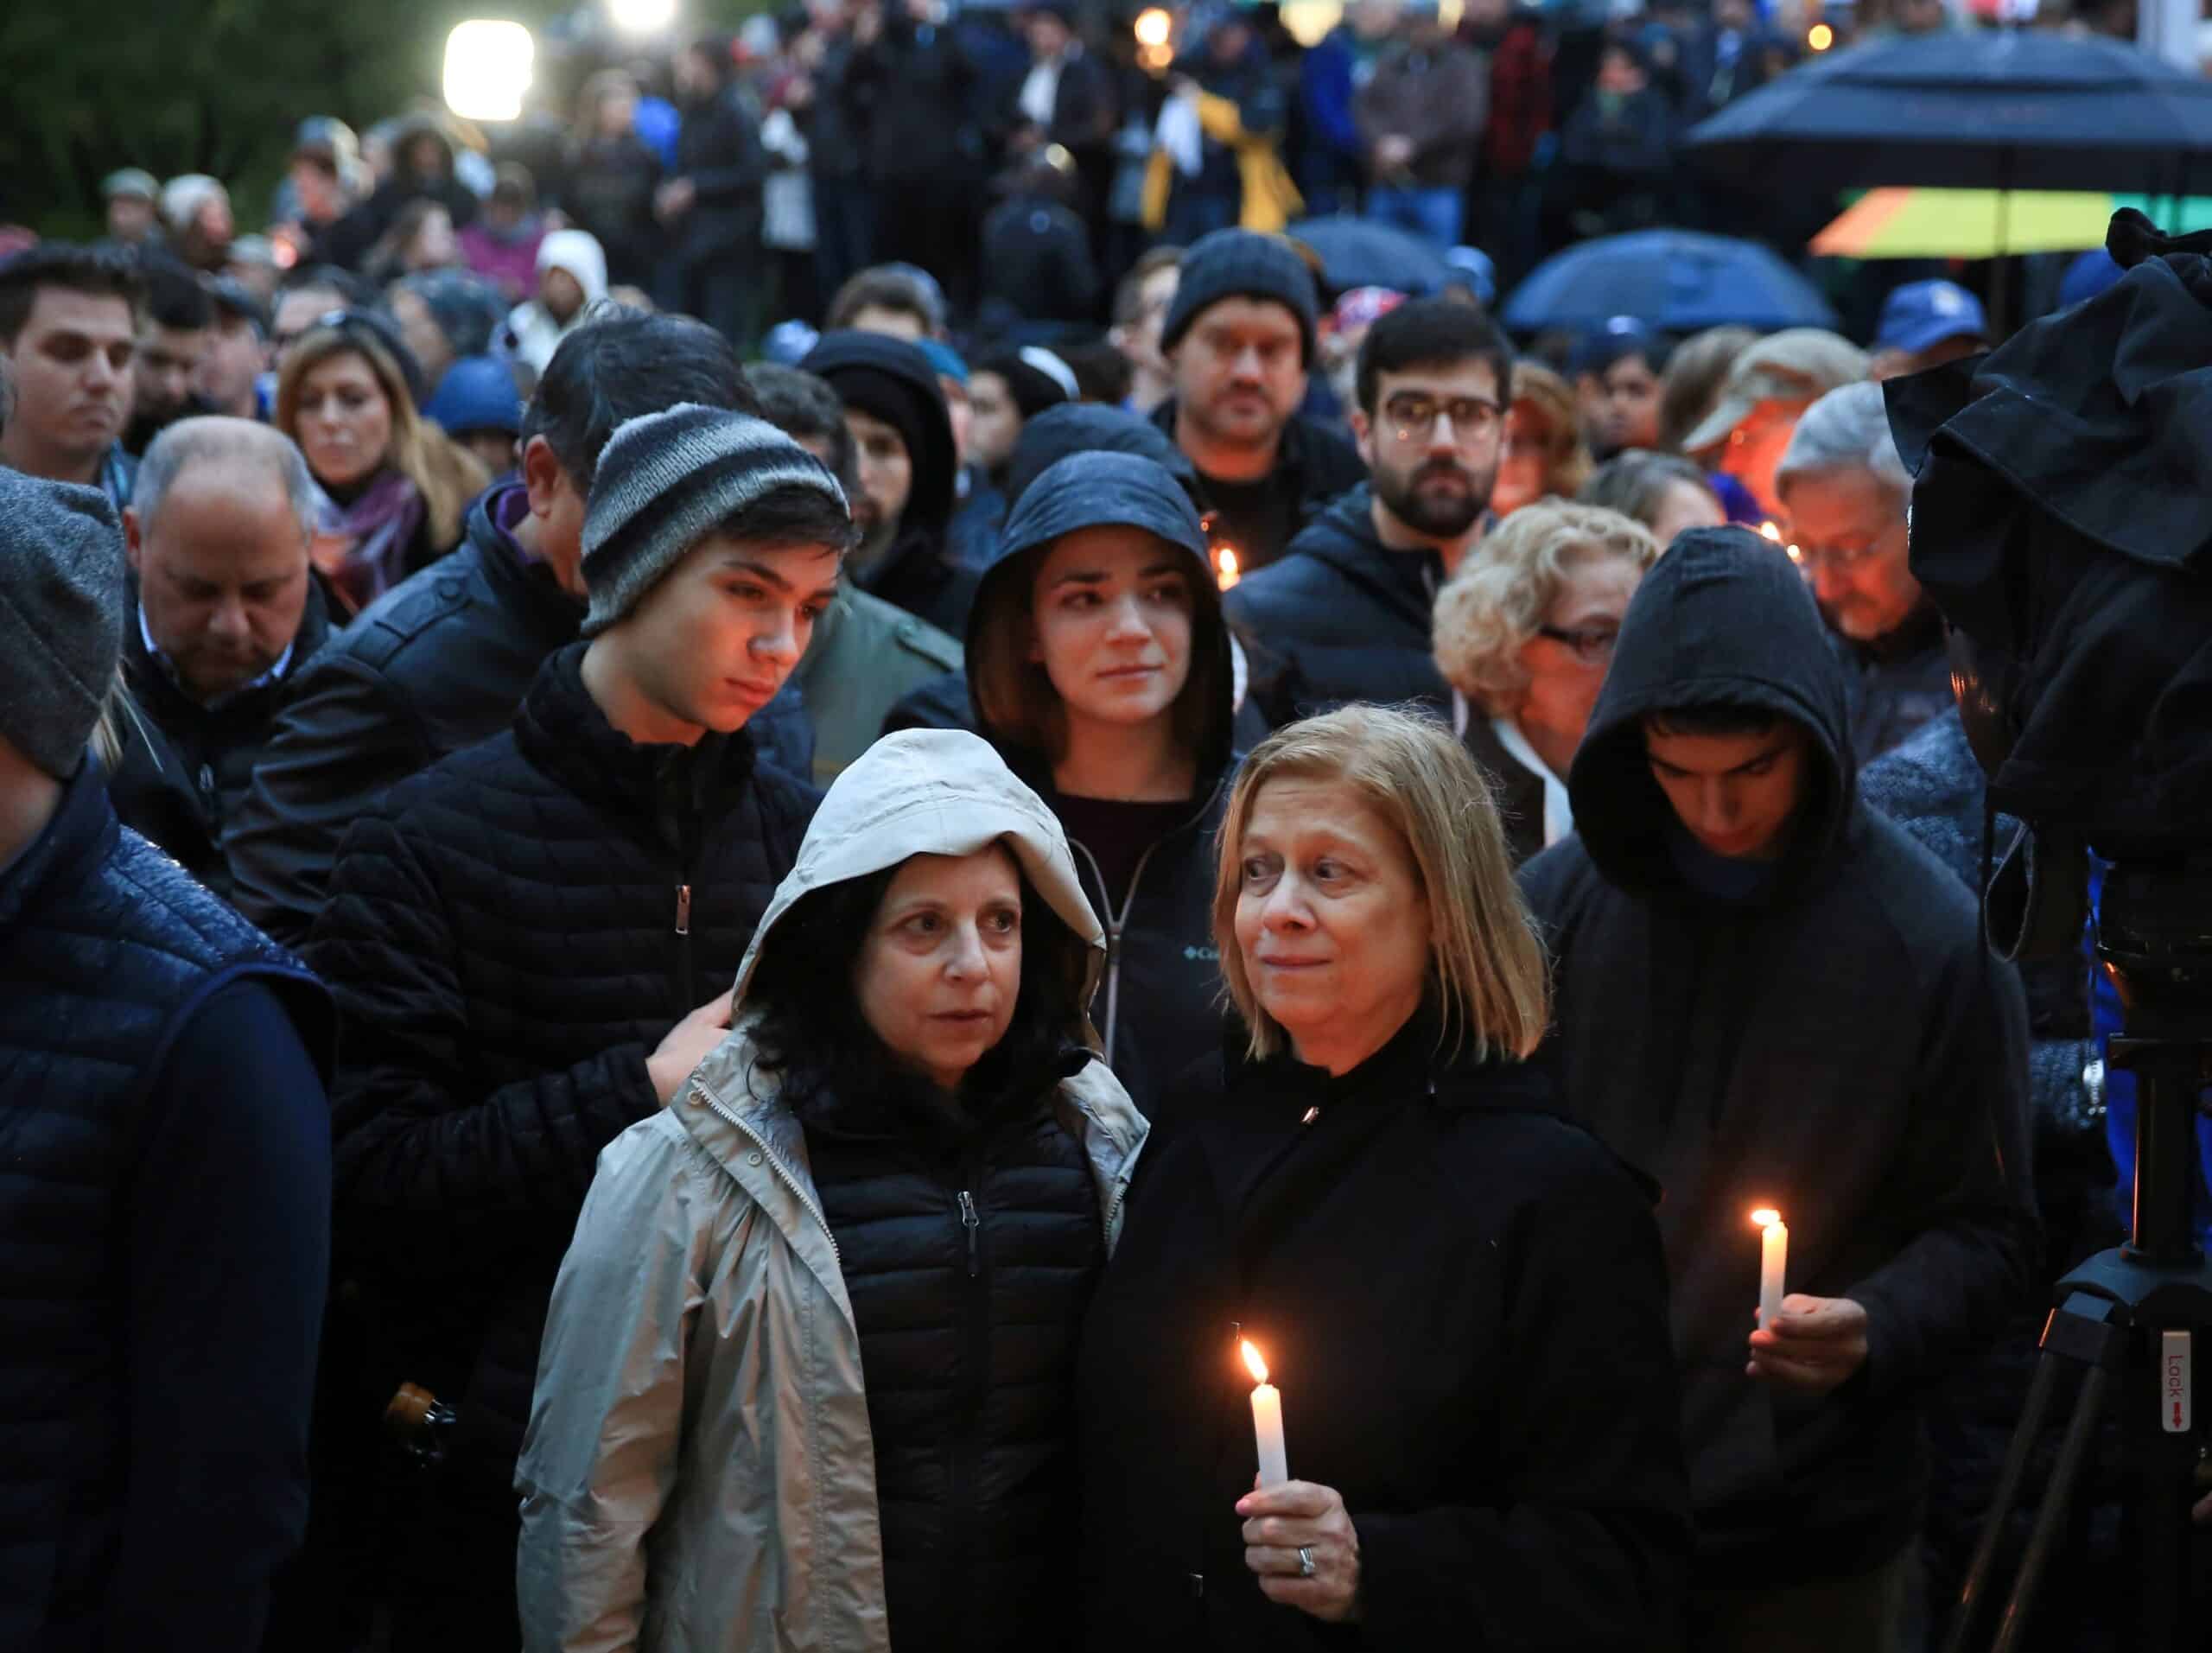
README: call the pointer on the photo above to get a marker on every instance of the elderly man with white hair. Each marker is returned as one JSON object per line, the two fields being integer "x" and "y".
{"x": 1846, "y": 492}
{"x": 222, "y": 610}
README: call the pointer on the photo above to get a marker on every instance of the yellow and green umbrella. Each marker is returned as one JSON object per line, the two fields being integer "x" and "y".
{"x": 1990, "y": 223}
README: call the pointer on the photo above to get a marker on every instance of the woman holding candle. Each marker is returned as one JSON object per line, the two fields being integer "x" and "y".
{"x": 1098, "y": 665}
{"x": 808, "y": 1377}
{"x": 1459, "y": 1296}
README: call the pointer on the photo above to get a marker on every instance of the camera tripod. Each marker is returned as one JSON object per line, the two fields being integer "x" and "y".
{"x": 2137, "y": 1319}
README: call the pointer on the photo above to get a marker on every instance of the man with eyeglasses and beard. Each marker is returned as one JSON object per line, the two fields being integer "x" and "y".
{"x": 1845, "y": 492}
{"x": 1345, "y": 615}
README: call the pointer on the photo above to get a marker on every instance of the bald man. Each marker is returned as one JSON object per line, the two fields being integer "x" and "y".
{"x": 223, "y": 610}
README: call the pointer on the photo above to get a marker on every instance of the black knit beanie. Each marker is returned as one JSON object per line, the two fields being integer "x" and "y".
{"x": 1240, "y": 264}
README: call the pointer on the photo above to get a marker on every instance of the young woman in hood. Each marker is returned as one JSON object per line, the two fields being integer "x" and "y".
{"x": 1099, "y": 665}
{"x": 808, "y": 1378}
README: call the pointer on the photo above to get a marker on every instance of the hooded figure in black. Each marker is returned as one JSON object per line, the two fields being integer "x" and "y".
{"x": 892, "y": 402}
{"x": 1099, "y": 667}
{"x": 1769, "y": 995}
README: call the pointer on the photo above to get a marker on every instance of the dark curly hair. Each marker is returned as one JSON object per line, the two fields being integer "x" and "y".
{"x": 836, "y": 1070}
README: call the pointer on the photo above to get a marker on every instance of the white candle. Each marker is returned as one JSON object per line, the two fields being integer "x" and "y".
{"x": 1267, "y": 1422}
{"x": 1774, "y": 1260}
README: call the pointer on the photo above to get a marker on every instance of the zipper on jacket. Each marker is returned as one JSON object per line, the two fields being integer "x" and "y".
{"x": 971, "y": 1220}
{"x": 683, "y": 909}
{"x": 1116, "y": 925}
{"x": 776, "y": 1163}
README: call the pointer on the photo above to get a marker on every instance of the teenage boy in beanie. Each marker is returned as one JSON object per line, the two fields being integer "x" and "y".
{"x": 1239, "y": 339}
{"x": 533, "y": 943}
{"x": 442, "y": 660}
{"x": 167, "y": 1222}
{"x": 902, "y": 433}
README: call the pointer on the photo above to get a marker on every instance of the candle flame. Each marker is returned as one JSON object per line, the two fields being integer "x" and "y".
{"x": 1226, "y": 572}
{"x": 1765, "y": 1218}
{"x": 1820, "y": 37}
{"x": 1252, "y": 1359}
{"x": 1768, "y": 531}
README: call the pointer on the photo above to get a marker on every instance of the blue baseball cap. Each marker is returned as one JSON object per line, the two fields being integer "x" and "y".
{"x": 1922, "y": 314}
{"x": 2087, "y": 276}
{"x": 477, "y": 393}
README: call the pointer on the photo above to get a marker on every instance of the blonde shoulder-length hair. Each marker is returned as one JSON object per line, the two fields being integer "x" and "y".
{"x": 1508, "y": 583}
{"x": 1488, "y": 977}
{"x": 447, "y": 474}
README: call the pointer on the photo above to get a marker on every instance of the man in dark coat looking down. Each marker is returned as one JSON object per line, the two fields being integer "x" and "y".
{"x": 1769, "y": 995}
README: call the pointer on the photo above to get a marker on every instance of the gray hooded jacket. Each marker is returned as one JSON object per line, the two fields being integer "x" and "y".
{"x": 699, "y": 1473}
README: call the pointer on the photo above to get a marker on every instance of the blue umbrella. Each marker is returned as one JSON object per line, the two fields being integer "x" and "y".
{"x": 1970, "y": 109}
{"x": 1358, "y": 252}
{"x": 1672, "y": 280}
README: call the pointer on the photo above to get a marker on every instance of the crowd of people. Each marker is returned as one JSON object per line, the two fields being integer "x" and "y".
{"x": 684, "y": 983}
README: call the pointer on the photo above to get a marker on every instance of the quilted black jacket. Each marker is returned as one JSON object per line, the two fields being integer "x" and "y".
{"x": 510, "y": 934}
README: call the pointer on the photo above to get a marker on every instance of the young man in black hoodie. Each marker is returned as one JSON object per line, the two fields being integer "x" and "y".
{"x": 533, "y": 943}
{"x": 1345, "y": 615}
{"x": 1769, "y": 995}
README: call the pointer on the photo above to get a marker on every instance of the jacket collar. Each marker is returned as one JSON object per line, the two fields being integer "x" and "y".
{"x": 520, "y": 583}
{"x": 79, "y": 837}
{"x": 1345, "y": 537}
{"x": 561, "y": 730}
{"x": 153, "y": 680}
{"x": 1293, "y": 457}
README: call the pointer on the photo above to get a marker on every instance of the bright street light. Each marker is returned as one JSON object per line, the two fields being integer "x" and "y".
{"x": 641, "y": 16}
{"x": 488, "y": 69}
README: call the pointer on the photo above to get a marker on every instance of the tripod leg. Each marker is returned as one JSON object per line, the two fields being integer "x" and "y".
{"x": 2024, "y": 1435}
{"x": 2079, "y": 1432}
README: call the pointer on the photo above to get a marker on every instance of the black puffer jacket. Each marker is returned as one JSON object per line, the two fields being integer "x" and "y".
{"x": 510, "y": 935}
{"x": 438, "y": 663}
{"x": 1835, "y": 1042}
{"x": 186, "y": 768}
{"x": 968, "y": 1336}
{"x": 1159, "y": 1007}
{"x": 1340, "y": 618}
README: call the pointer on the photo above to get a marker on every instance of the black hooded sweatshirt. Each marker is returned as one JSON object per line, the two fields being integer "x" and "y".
{"x": 1834, "y": 1042}
{"x": 1159, "y": 1007}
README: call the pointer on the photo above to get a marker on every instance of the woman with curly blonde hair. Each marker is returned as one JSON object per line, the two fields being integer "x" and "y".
{"x": 396, "y": 486}
{"x": 1544, "y": 453}
{"x": 1523, "y": 633}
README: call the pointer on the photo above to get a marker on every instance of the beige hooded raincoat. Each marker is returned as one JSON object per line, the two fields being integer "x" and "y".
{"x": 699, "y": 1473}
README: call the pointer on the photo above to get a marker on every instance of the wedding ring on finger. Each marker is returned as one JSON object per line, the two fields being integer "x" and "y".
{"x": 1306, "y": 1567}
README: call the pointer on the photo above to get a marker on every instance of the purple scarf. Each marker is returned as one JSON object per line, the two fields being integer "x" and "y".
{"x": 361, "y": 548}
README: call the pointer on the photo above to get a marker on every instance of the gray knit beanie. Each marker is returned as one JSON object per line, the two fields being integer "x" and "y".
{"x": 1240, "y": 264}
{"x": 667, "y": 479}
{"x": 62, "y": 602}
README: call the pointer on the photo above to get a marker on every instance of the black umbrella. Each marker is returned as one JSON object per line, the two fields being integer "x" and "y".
{"x": 1973, "y": 109}
{"x": 1355, "y": 252}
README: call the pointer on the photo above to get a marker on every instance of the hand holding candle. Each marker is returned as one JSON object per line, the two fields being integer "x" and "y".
{"x": 1266, "y": 1421}
{"x": 1773, "y": 1257}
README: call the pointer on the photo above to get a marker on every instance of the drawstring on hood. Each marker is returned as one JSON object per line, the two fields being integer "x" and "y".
{"x": 1722, "y": 619}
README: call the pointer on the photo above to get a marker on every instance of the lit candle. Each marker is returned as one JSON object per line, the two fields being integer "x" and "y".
{"x": 1225, "y": 569}
{"x": 1266, "y": 1421}
{"x": 1774, "y": 1258}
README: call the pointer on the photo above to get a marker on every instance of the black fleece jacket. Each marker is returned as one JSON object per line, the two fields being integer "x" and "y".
{"x": 1838, "y": 1045}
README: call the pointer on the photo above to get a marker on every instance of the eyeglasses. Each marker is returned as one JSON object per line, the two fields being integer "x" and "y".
{"x": 1841, "y": 558}
{"x": 1592, "y": 644}
{"x": 1412, "y": 416}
